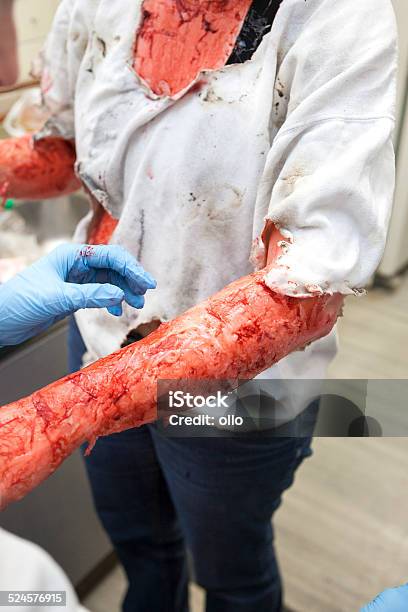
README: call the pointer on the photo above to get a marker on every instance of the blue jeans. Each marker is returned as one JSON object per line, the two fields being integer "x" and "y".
{"x": 159, "y": 497}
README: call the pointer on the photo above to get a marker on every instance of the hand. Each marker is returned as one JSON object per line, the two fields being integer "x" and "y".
{"x": 392, "y": 600}
{"x": 70, "y": 278}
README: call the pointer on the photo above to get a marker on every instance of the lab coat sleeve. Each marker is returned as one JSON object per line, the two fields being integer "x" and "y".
{"x": 330, "y": 170}
{"x": 26, "y": 567}
{"x": 58, "y": 67}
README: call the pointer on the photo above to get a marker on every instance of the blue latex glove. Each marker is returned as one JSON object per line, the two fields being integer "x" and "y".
{"x": 70, "y": 278}
{"x": 392, "y": 600}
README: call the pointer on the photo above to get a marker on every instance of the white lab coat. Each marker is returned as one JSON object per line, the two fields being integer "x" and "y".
{"x": 301, "y": 134}
{"x": 26, "y": 567}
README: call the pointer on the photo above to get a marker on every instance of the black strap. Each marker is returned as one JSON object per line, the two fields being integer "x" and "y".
{"x": 258, "y": 22}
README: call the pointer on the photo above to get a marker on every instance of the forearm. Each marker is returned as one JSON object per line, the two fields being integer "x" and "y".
{"x": 236, "y": 334}
{"x": 37, "y": 169}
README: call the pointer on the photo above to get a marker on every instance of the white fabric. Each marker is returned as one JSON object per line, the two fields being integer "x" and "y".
{"x": 300, "y": 134}
{"x": 26, "y": 567}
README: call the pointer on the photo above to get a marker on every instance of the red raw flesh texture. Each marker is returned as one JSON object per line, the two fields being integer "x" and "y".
{"x": 102, "y": 227}
{"x": 37, "y": 170}
{"x": 179, "y": 39}
{"x": 235, "y": 334}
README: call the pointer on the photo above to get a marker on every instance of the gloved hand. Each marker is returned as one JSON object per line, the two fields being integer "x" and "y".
{"x": 70, "y": 278}
{"x": 392, "y": 600}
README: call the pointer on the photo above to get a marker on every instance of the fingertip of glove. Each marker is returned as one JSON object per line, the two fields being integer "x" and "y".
{"x": 152, "y": 283}
{"x": 116, "y": 311}
{"x": 137, "y": 301}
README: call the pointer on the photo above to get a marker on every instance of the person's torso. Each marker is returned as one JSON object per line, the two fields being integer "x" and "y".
{"x": 182, "y": 174}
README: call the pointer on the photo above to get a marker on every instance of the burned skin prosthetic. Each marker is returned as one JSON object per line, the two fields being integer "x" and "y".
{"x": 197, "y": 36}
{"x": 37, "y": 169}
{"x": 234, "y": 335}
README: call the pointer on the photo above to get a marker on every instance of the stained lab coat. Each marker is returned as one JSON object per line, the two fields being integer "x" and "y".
{"x": 26, "y": 567}
{"x": 301, "y": 135}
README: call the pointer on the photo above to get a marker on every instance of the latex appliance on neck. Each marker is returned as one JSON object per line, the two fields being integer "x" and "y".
{"x": 179, "y": 39}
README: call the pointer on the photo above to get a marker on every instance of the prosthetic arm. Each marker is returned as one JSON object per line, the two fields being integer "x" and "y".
{"x": 37, "y": 169}
{"x": 236, "y": 334}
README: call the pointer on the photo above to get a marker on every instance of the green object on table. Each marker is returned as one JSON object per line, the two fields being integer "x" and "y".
{"x": 9, "y": 204}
